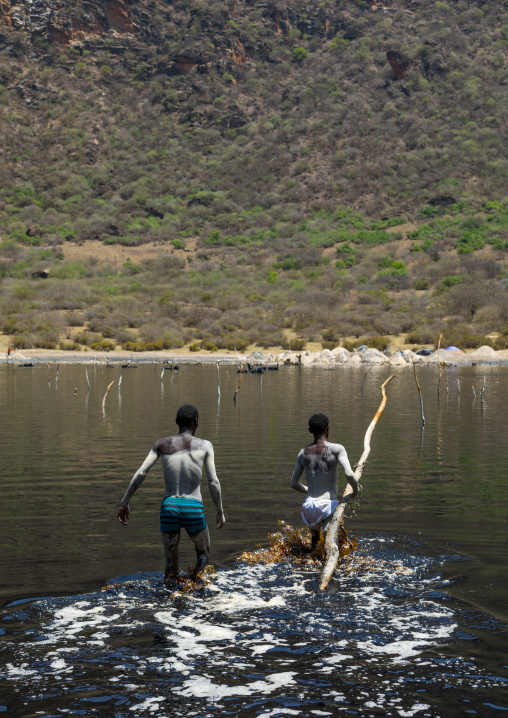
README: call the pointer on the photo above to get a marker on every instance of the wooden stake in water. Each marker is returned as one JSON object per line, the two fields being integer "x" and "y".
{"x": 439, "y": 362}
{"x": 483, "y": 389}
{"x": 218, "y": 379}
{"x": 419, "y": 392}
{"x": 331, "y": 543}
{"x": 458, "y": 384}
{"x": 87, "y": 379}
{"x": 474, "y": 393}
{"x": 162, "y": 373}
{"x": 364, "y": 377}
{"x": 105, "y": 395}
{"x": 239, "y": 383}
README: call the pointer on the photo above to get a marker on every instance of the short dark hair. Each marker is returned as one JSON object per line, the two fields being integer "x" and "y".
{"x": 318, "y": 423}
{"x": 186, "y": 414}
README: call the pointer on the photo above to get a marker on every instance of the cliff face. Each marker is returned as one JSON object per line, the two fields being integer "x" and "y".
{"x": 55, "y": 21}
{"x": 66, "y": 22}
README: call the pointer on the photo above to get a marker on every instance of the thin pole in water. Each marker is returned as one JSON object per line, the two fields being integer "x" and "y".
{"x": 419, "y": 392}
{"x": 105, "y": 395}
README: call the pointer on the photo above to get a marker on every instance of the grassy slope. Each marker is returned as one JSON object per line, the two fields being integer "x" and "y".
{"x": 280, "y": 161}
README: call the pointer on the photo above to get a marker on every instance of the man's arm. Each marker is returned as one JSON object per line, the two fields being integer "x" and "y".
{"x": 346, "y": 466}
{"x": 296, "y": 484}
{"x": 136, "y": 481}
{"x": 214, "y": 485}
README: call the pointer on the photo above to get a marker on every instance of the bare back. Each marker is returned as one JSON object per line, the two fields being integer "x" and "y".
{"x": 183, "y": 457}
{"x": 320, "y": 461}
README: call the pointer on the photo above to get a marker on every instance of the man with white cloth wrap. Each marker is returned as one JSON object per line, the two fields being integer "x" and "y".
{"x": 320, "y": 461}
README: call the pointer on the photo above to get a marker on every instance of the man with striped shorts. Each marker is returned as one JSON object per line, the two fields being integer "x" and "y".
{"x": 183, "y": 457}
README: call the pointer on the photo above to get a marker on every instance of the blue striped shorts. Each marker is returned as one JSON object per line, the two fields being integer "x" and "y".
{"x": 179, "y": 513}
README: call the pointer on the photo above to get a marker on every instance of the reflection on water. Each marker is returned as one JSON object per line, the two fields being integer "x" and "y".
{"x": 259, "y": 639}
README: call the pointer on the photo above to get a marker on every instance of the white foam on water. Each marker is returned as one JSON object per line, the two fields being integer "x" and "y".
{"x": 259, "y": 649}
{"x": 221, "y": 643}
{"x": 150, "y": 704}
{"x": 73, "y": 619}
{"x": 59, "y": 663}
{"x": 202, "y": 687}
{"x": 19, "y": 671}
{"x": 336, "y": 658}
{"x": 414, "y": 710}
{"x": 207, "y": 631}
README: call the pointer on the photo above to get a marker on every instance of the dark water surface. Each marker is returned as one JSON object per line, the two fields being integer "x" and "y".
{"x": 421, "y": 632}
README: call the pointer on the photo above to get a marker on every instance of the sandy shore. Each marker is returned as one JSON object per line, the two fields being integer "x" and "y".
{"x": 324, "y": 358}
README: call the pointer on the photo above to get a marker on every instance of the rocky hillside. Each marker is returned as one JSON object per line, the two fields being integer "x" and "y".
{"x": 382, "y": 107}
{"x": 273, "y": 137}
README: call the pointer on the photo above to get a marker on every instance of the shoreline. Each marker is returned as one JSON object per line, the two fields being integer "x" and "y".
{"x": 324, "y": 358}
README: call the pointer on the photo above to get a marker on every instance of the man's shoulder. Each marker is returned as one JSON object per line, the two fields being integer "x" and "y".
{"x": 160, "y": 444}
{"x": 176, "y": 443}
{"x": 335, "y": 448}
{"x": 205, "y": 444}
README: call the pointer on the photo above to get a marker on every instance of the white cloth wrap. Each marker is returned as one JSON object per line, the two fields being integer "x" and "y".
{"x": 314, "y": 511}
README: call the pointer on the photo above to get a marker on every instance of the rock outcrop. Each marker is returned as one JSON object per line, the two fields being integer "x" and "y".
{"x": 55, "y": 21}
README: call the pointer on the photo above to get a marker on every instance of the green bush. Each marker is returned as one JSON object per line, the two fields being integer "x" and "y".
{"x": 299, "y": 54}
{"x": 296, "y": 344}
{"x": 452, "y": 281}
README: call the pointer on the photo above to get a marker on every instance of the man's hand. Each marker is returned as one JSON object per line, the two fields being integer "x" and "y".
{"x": 220, "y": 521}
{"x": 353, "y": 482}
{"x": 123, "y": 515}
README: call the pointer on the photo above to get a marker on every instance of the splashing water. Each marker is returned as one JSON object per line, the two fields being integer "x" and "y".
{"x": 255, "y": 640}
{"x": 290, "y": 544}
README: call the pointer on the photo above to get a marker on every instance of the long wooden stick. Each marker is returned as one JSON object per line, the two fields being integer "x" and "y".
{"x": 332, "y": 554}
{"x": 419, "y": 392}
{"x": 239, "y": 383}
{"x": 364, "y": 377}
{"x": 105, "y": 395}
